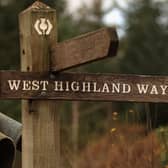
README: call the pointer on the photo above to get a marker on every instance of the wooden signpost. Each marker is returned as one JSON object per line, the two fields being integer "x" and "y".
{"x": 40, "y": 56}
{"x": 40, "y": 118}
{"x": 39, "y": 84}
{"x": 86, "y": 48}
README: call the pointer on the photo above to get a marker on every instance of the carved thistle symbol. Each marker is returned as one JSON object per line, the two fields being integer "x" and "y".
{"x": 43, "y": 26}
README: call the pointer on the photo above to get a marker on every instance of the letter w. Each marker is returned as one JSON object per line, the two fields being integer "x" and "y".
{"x": 14, "y": 84}
{"x": 142, "y": 88}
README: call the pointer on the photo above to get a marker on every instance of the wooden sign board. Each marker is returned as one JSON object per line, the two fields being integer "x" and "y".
{"x": 89, "y": 47}
{"x": 73, "y": 86}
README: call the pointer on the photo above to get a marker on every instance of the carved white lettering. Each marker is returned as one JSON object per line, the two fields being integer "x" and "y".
{"x": 105, "y": 88}
{"x": 86, "y": 87}
{"x": 26, "y": 85}
{"x": 59, "y": 86}
{"x": 154, "y": 90}
{"x": 163, "y": 87}
{"x": 14, "y": 84}
{"x": 35, "y": 85}
{"x": 142, "y": 88}
{"x": 126, "y": 88}
{"x": 75, "y": 86}
{"x": 44, "y": 85}
{"x": 115, "y": 87}
{"x": 67, "y": 86}
{"x": 95, "y": 89}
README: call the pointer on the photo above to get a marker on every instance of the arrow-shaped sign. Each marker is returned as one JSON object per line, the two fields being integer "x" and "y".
{"x": 83, "y": 86}
{"x": 83, "y": 49}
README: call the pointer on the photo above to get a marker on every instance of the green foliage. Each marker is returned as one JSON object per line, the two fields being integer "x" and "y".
{"x": 9, "y": 37}
{"x": 145, "y": 48}
{"x": 146, "y": 40}
{"x": 163, "y": 137}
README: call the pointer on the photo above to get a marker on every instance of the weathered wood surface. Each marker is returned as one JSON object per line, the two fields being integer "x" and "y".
{"x": 81, "y": 86}
{"x": 86, "y": 48}
{"x": 41, "y": 146}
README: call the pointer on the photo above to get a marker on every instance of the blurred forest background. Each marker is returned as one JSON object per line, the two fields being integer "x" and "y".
{"x": 106, "y": 134}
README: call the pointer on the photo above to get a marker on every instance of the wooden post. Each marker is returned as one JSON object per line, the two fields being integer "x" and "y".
{"x": 41, "y": 144}
{"x": 75, "y": 132}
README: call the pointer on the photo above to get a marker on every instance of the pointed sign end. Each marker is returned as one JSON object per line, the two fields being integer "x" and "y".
{"x": 114, "y": 41}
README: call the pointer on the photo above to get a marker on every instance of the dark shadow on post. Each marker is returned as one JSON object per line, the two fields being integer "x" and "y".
{"x": 7, "y": 152}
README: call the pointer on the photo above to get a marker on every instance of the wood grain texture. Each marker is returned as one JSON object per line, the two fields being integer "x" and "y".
{"x": 156, "y": 87}
{"x": 41, "y": 146}
{"x": 83, "y": 49}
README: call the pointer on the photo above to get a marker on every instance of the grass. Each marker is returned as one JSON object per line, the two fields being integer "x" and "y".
{"x": 126, "y": 146}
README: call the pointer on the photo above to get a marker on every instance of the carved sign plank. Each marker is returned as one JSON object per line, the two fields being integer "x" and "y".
{"x": 86, "y": 48}
{"x": 73, "y": 86}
